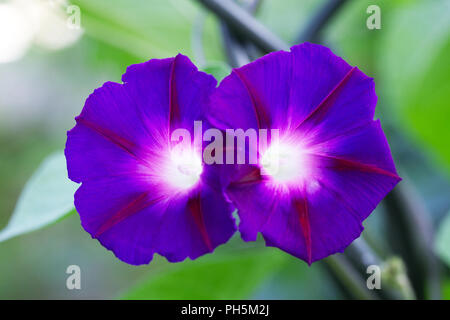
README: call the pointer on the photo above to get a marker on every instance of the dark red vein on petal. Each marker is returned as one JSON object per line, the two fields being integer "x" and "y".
{"x": 345, "y": 133}
{"x": 109, "y": 135}
{"x": 301, "y": 208}
{"x": 262, "y": 116}
{"x": 322, "y": 108}
{"x": 195, "y": 208}
{"x": 174, "y": 108}
{"x": 345, "y": 164}
{"x": 254, "y": 176}
{"x": 138, "y": 204}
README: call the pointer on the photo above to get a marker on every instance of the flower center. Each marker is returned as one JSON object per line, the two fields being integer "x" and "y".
{"x": 184, "y": 168}
{"x": 284, "y": 163}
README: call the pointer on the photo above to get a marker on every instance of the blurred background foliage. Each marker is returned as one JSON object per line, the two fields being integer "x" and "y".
{"x": 47, "y": 70}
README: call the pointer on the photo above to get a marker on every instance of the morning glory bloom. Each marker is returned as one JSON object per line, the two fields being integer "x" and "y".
{"x": 141, "y": 193}
{"x": 330, "y": 166}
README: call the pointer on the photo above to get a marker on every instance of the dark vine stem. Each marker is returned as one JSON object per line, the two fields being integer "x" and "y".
{"x": 408, "y": 217}
{"x": 253, "y": 52}
{"x": 236, "y": 54}
{"x": 237, "y": 50}
{"x": 396, "y": 284}
{"x": 316, "y": 24}
{"x": 348, "y": 278}
{"x": 244, "y": 24}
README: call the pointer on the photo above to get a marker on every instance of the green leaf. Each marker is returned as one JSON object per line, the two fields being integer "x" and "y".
{"x": 47, "y": 197}
{"x": 148, "y": 29}
{"x": 218, "y": 69}
{"x": 348, "y": 35}
{"x": 218, "y": 276}
{"x": 414, "y": 61}
{"x": 446, "y": 289}
{"x": 443, "y": 240}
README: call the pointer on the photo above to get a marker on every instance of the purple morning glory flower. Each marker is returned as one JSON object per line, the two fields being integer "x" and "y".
{"x": 140, "y": 194}
{"x": 332, "y": 161}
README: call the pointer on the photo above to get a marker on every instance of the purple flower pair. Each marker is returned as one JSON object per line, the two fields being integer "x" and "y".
{"x": 140, "y": 195}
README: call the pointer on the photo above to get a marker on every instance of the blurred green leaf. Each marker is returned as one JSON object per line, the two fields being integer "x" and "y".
{"x": 148, "y": 28}
{"x": 349, "y": 36}
{"x": 218, "y": 276}
{"x": 443, "y": 240}
{"x": 47, "y": 197}
{"x": 217, "y": 69}
{"x": 296, "y": 280}
{"x": 446, "y": 290}
{"x": 414, "y": 61}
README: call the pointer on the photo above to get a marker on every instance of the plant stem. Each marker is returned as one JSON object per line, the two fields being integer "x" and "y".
{"x": 312, "y": 30}
{"x": 237, "y": 50}
{"x": 361, "y": 252}
{"x": 236, "y": 53}
{"x": 197, "y": 40}
{"x": 411, "y": 237}
{"x": 394, "y": 274}
{"x": 244, "y": 24}
{"x": 348, "y": 277}
{"x": 397, "y": 285}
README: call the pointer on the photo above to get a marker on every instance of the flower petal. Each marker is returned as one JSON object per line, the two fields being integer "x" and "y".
{"x": 308, "y": 88}
{"x": 257, "y": 94}
{"x": 324, "y": 107}
{"x": 119, "y": 150}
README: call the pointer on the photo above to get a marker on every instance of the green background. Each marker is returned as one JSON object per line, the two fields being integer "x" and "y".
{"x": 41, "y": 93}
